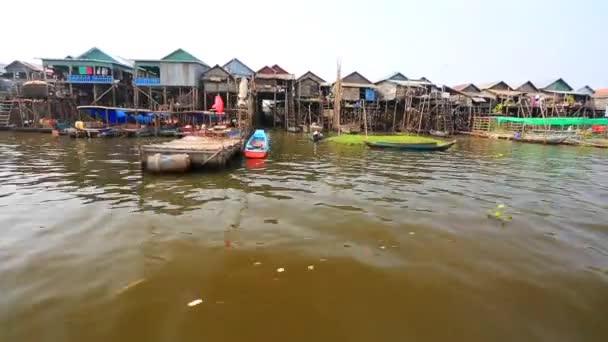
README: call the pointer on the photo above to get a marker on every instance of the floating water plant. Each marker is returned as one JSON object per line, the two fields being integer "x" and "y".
{"x": 499, "y": 214}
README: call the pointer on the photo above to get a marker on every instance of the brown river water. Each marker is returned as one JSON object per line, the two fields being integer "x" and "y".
{"x": 373, "y": 245}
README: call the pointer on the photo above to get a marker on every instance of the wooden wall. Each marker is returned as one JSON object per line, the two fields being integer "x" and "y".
{"x": 308, "y": 88}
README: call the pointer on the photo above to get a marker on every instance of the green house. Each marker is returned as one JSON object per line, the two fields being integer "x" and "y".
{"x": 177, "y": 69}
{"x": 94, "y": 66}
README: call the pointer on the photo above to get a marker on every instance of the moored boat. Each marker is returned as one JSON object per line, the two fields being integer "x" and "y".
{"x": 541, "y": 139}
{"x": 432, "y": 146}
{"x": 257, "y": 146}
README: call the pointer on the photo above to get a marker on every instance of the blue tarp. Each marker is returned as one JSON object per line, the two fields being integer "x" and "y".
{"x": 370, "y": 94}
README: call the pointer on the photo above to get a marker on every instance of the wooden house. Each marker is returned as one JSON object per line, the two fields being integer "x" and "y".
{"x": 481, "y": 102}
{"x": 311, "y": 93}
{"x": 355, "y": 87}
{"x": 91, "y": 76}
{"x": 20, "y": 71}
{"x": 218, "y": 81}
{"x": 600, "y": 102}
{"x": 397, "y": 86}
{"x": 170, "y": 83}
{"x": 309, "y": 86}
{"x": 273, "y": 83}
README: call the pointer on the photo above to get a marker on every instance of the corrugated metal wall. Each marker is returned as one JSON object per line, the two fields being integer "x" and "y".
{"x": 181, "y": 74}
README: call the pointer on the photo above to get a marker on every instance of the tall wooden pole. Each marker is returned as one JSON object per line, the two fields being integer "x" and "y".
{"x": 338, "y": 97}
{"x": 364, "y": 118}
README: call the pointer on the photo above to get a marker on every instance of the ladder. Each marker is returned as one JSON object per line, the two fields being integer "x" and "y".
{"x": 6, "y": 108}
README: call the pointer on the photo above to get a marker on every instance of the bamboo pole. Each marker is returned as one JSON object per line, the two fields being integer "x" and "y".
{"x": 364, "y": 118}
{"x": 338, "y": 97}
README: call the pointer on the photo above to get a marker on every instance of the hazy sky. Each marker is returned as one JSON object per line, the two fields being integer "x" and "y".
{"x": 448, "y": 41}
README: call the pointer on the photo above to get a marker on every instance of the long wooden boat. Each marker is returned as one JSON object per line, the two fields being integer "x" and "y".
{"x": 412, "y": 146}
{"x": 542, "y": 139}
{"x": 257, "y": 146}
{"x": 138, "y": 132}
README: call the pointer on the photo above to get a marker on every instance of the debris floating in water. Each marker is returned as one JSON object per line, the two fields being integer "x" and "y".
{"x": 257, "y": 263}
{"x": 131, "y": 285}
{"x": 195, "y": 302}
{"x": 280, "y": 270}
{"x": 347, "y": 245}
{"x": 412, "y": 233}
{"x": 323, "y": 260}
{"x": 271, "y": 221}
{"x": 382, "y": 247}
{"x": 311, "y": 267}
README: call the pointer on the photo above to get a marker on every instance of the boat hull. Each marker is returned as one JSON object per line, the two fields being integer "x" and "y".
{"x": 540, "y": 140}
{"x": 411, "y": 147}
{"x": 255, "y": 154}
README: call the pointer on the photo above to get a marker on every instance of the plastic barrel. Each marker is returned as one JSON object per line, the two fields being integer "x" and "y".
{"x": 168, "y": 163}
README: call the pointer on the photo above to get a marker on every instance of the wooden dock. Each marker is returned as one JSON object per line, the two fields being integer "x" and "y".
{"x": 203, "y": 151}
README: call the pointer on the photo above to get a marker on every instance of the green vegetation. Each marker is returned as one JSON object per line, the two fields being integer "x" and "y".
{"x": 499, "y": 214}
{"x": 358, "y": 139}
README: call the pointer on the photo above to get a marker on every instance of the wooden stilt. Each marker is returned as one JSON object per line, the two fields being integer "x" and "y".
{"x": 274, "y": 108}
{"x": 114, "y": 95}
{"x": 94, "y": 93}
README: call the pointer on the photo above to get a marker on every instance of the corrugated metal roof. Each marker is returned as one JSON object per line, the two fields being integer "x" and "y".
{"x": 586, "y": 89}
{"x": 238, "y": 68}
{"x": 411, "y": 83}
{"x": 601, "y": 91}
{"x": 311, "y": 75}
{"x": 34, "y": 67}
{"x": 395, "y": 76}
{"x": 461, "y": 87}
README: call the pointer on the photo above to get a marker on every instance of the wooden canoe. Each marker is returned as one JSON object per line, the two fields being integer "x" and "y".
{"x": 412, "y": 146}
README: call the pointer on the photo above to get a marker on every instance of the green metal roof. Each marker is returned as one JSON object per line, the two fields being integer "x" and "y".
{"x": 94, "y": 57}
{"x": 558, "y": 85}
{"x": 96, "y": 54}
{"x": 177, "y": 56}
{"x": 181, "y": 55}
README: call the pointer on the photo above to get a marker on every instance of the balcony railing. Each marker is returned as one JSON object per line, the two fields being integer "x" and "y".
{"x": 146, "y": 81}
{"x": 89, "y": 79}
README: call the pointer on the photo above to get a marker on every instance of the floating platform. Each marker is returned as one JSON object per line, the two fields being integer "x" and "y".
{"x": 201, "y": 151}
{"x": 32, "y": 129}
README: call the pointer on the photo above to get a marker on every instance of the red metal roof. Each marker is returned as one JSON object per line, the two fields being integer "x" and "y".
{"x": 278, "y": 69}
{"x": 601, "y": 91}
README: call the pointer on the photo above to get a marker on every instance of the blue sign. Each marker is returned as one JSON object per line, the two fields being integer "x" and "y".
{"x": 89, "y": 79}
{"x": 147, "y": 80}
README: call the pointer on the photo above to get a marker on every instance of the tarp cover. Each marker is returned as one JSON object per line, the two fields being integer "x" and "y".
{"x": 554, "y": 121}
